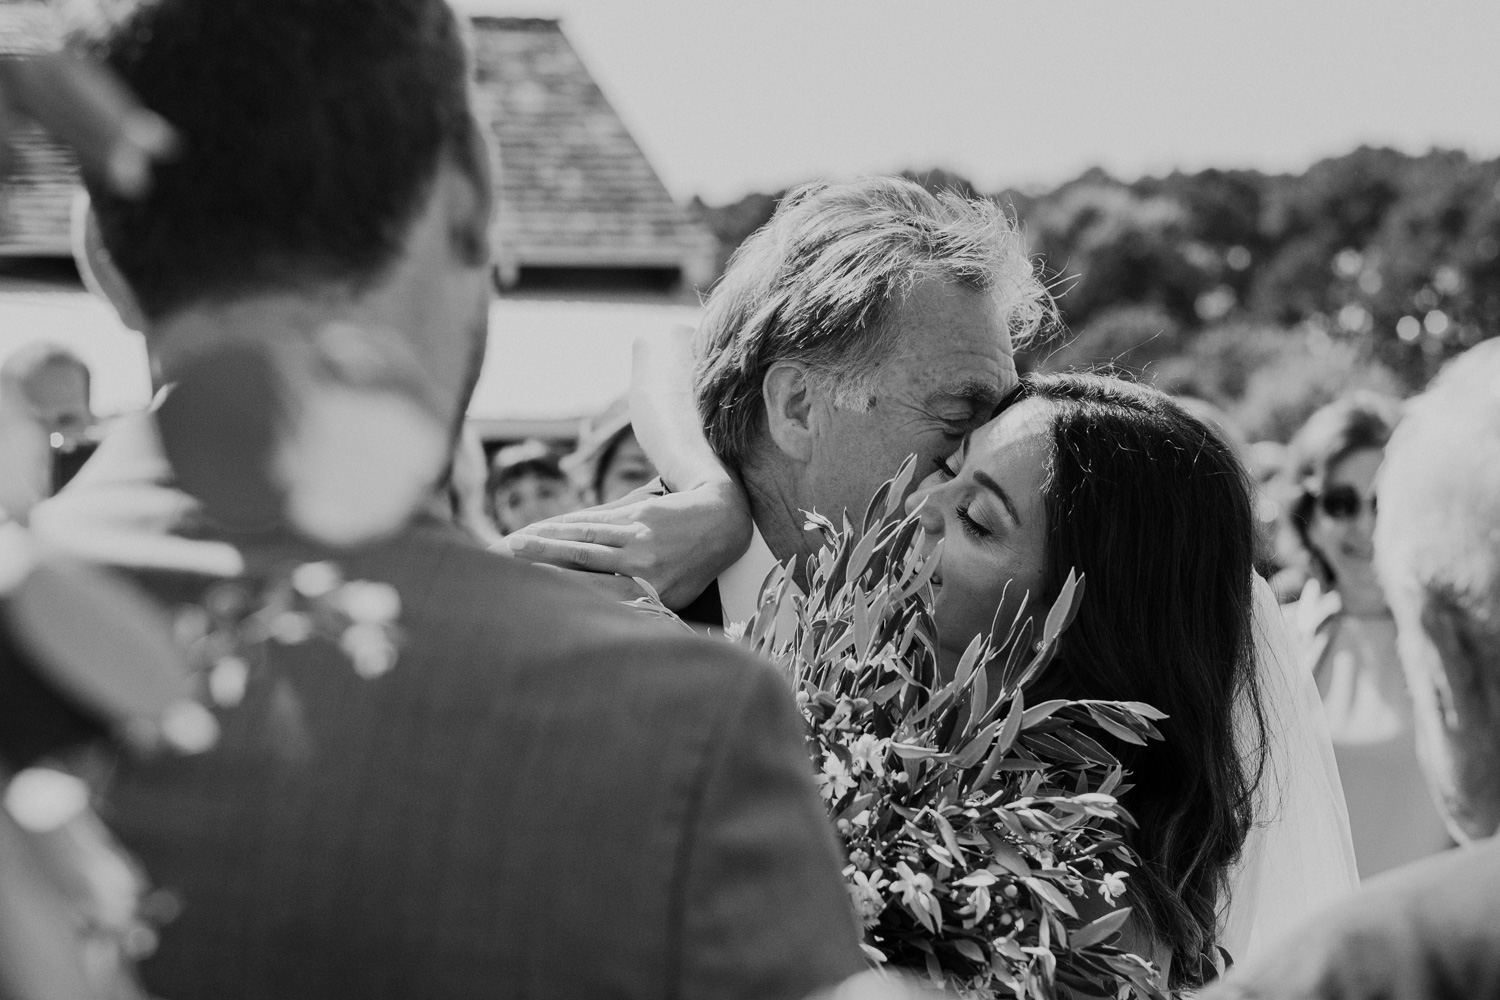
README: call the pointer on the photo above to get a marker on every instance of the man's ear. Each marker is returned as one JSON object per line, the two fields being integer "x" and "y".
{"x": 97, "y": 269}
{"x": 1463, "y": 680}
{"x": 789, "y": 395}
{"x": 1459, "y": 676}
{"x": 472, "y": 205}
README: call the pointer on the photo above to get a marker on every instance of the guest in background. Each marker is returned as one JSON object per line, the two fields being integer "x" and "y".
{"x": 609, "y": 462}
{"x": 57, "y": 383}
{"x": 526, "y": 484}
{"x": 1350, "y": 635}
{"x": 1431, "y": 929}
{"x": 465, "y": 498}
{"x": 52, "y": 385}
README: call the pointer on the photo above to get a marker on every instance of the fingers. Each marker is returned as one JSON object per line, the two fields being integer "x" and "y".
{"x": 590, "y": 532}
{"x": 83, "y": 105}
{"x": 566, "y": 554}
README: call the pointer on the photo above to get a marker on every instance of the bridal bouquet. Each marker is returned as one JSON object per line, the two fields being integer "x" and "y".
{"x": 973, "y": 821}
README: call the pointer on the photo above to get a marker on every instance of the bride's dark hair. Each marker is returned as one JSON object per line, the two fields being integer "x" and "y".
{"x": 1155, "y": 509}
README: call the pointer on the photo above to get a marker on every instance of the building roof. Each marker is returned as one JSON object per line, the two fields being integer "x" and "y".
{"x": 574, "y": 188}
{"x": 37, "y": 198}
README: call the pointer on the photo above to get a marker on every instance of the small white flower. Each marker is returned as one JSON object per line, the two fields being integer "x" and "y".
{"x": 915, "y": 889}
{"x": 188, "y": 727}
{"x": 227, "y": 681}
{"x": 864, "y": 890}
{"x": 369, "y": 602}
{"x": 315, "y": 579}
{"x": 1113, "y": 887}
{"x": 370, "y": 649}
{"x": 291, "y": 628}
{"x": 834, "y": 779}
{"x": 734, "y": 630}
{"x": 868, "y": 754}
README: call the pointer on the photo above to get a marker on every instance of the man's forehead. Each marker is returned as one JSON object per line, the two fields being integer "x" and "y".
{"x": 983, "y": 379}
{"x": 955, "y": 342}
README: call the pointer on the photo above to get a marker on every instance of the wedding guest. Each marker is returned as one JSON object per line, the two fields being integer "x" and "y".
{"x": 547, "y": 795}
{"x": 56, "y": 382}
{"x": 466, "y": 498}
{"x": 1349, "y": 636}
{"x": 526, "y": 484}
{"x": 609, "y": 463}
{"x": 1430, "y": 929}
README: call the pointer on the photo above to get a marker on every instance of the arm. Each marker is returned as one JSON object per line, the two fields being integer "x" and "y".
{"x": 114, "y": 137}
{"x": 764, "y": 908}
{"x": 665, "y": 414}
{"x": 678, "y": 542}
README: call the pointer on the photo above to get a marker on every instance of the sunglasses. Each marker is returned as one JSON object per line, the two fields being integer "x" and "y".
{"x": 1344, "y": 503}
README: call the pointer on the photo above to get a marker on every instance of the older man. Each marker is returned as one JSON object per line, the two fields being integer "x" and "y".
{"x": 865, "y": 322}
{"x": 1431, "y": 929}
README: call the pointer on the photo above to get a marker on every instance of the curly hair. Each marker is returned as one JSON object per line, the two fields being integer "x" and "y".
{"x": 1350, "y": 423}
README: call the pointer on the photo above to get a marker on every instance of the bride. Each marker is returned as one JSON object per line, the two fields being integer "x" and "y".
{"x": 1241, "y": 826}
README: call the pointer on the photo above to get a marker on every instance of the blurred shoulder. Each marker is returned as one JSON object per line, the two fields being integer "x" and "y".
{"x": 518, "y": 613}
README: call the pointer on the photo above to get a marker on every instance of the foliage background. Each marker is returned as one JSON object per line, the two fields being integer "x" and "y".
{"x": 1264, "y": 294}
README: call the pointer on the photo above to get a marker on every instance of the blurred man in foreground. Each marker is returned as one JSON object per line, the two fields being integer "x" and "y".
{"x": 1431, "y": 929}
{"x": 546, "y": 795}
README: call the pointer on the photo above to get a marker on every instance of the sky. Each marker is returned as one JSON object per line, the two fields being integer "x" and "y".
{"x": 731, "y": 97}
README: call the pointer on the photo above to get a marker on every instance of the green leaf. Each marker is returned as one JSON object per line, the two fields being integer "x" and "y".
{"x": 1114, "y": 728}
{"x": 1099, "y": 930}
{"x": 1046, "y": 890}
{"x": 950, "y": 840}
{"x": 973, "y": 751}
{"x": 968, "y": 949}
{"x": 896, "y": 498}
{"x": 1039, "y": 712}
{"x": 1144, "y": 710}
{"x": 1064, "y": 608}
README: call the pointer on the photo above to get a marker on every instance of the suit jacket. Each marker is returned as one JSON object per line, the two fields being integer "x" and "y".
{"x": 549, "y": 796}
{"x": 1427, "y": 931}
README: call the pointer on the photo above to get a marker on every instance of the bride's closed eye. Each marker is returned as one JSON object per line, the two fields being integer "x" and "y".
{"x": 971, "y": 526}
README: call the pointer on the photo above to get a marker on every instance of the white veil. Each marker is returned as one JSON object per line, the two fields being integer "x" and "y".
{"x": 1298, "y": 857}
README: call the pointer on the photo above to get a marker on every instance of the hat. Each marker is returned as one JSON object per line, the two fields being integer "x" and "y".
{"x": 528, "y": 455}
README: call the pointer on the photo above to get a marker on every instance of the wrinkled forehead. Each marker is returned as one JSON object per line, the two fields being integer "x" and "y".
{"x": 952, "y": 339}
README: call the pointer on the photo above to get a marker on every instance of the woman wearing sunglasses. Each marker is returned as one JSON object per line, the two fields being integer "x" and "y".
{"x": 1351, "y": 637}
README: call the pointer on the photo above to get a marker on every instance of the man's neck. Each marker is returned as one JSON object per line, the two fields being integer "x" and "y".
{"x": 778, "y": 513}
{"x": 194, "y": 327}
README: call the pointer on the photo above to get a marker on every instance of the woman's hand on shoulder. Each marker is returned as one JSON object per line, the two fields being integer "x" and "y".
{"x": 677, "y": 542}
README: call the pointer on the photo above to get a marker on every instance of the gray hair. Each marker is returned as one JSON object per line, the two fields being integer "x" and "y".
{"x": 1438, "y": 532}
{"x": 818, "y": 282}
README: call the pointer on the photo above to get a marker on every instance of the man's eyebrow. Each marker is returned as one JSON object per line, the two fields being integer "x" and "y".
{"x": 984, "y": 479}
{"x": 976, "y": 390}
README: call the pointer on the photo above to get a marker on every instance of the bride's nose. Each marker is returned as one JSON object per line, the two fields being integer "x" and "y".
{"x": 925, "y": 504}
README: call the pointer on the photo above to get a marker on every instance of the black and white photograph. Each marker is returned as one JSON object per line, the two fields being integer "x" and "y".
{"x": 767, "y": 501}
